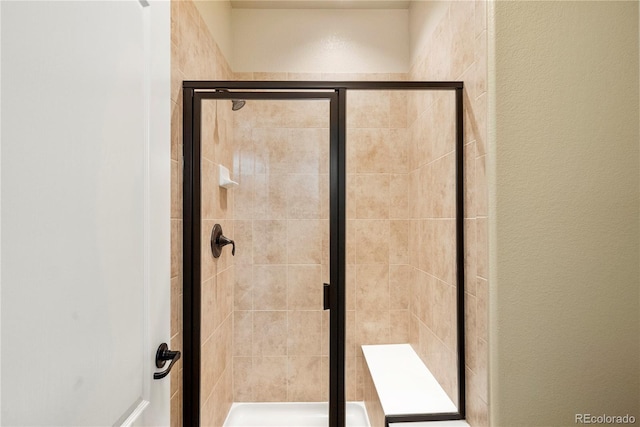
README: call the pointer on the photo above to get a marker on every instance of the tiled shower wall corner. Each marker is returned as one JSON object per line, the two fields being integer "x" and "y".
{"x": 456, "y": 50}
{"x": 432, "y": 231}
{"x": 195, "y": 56}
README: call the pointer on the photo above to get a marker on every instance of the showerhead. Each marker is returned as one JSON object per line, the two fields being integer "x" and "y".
{"x": 237, "y": 104}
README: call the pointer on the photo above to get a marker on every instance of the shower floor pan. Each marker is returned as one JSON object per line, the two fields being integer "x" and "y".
{"x": 294, "y": 414}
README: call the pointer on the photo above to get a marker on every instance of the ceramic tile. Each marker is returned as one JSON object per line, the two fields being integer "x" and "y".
{"x": 270, "y": 379}
{"x": 399, "y": 286}
{"x": 304, "y": 375}
{"x": 372, "y": 241}
{"x": 481, "y": 186}
{"x": 471, "y": 335}
{"x": 372, "y": 327}
{"x": 480, "y": 16}
{"x": 398, "y": 242}
{"x": 208, "y": 264}
{"x": 308, "y": 114}
{"x": 482, "y": 249}
{"x": 176, "y": 128}
{"x": 470, "y": 256}
{"x": 270, "y": 196}
{"x": 269, "y": 243}
{"x": 243, "y": 289}
{"x": 372, "y": 196}
{"x": 368, "y": 109}
{"x": 398, "y": 326}
{"x": 243, "y": 236}
{"x": 399, "y": 196}
{"x": 304, "y": 333}
{"x": 372, "y": 287}
{"x": 243, "y": 333}
{"x": 304, "y": 193}
{"x": 269, "y": 287}
{"x": 243, "y": 197}
{"x": 481, "y": 124}
{"x": 269, "y": 333}
{"x": 242, "y": 379}
{"x": 372, "y": 147}
{"x": 208, "y": 308}
{"x": 303, "y": 241}
{"x": 470, "y": 180}
{"x": 481, "y": 62}
{"x": 399, "y": 151}
{"x": 483, "y": 308}
{"x": 269, "y": 76}
{"x": 304, "y": 287}
{"x": 398, "y": 109}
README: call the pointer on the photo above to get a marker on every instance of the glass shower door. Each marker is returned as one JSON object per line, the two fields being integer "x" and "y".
{"x": 281, "y": 216}
{"x": 264, "y": 183}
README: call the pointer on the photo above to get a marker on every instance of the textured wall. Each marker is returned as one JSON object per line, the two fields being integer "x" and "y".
{"x": 564, "y": 203}
{"x": 320, "y": 40}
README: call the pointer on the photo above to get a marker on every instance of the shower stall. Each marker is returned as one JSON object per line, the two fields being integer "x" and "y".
{"x": 339, "y": 225}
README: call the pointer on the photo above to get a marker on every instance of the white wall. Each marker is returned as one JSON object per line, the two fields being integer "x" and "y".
{"x": 343, "y": 40}
{"x": 424, "y": 16}
{"x": 564, "y": 209}
{"x": 217, "y": 15}
{"x": 320, "y": 40}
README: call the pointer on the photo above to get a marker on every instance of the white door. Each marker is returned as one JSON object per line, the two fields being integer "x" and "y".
{"x": 85, "y": 236}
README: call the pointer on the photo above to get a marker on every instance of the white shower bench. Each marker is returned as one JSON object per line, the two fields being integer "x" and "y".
{"x": 399, "y": 383}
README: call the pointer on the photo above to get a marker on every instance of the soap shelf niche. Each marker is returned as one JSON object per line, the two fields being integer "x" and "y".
{"x": 225, "y": 180}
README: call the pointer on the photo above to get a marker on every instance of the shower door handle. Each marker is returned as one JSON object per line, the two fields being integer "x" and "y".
{"x": 326, "y": 292}
{"x": 162, "y": 355}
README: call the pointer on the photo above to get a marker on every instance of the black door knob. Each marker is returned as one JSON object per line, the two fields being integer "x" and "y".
{"x": 162, "y": 355}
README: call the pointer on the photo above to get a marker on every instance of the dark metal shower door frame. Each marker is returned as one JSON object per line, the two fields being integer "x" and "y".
{"x": 192, "y": 231}
{"x": 336, "y": 92}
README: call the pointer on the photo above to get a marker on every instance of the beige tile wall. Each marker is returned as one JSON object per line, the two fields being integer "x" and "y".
{"x": 457, "y": 50}
{"x": 377, "y": 270}
{"x": 218, "y": 274}
{"x": 432, "y": 232}
{"x": 281, "y": 216}
{"x": 377, "y": 227}
{"x": 194, "y": 55}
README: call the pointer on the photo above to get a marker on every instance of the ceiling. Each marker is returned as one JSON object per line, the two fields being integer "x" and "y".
{"x": 320, "y": 4}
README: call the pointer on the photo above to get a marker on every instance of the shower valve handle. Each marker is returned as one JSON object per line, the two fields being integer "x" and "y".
{"x": 224, "y": 241}
{"x": 218, "y": 241}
